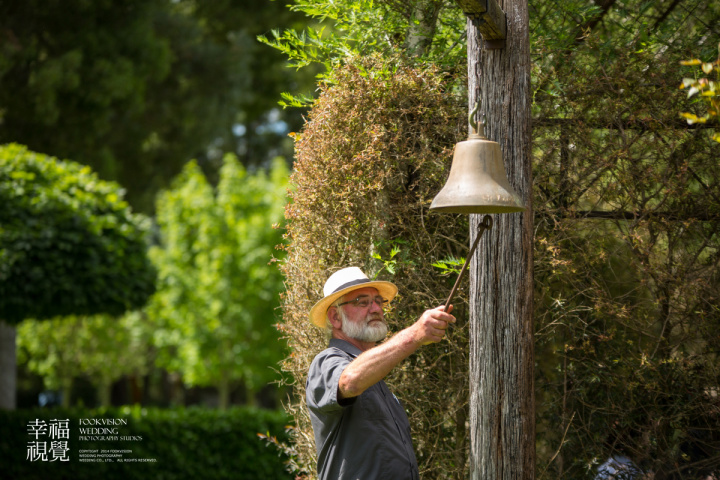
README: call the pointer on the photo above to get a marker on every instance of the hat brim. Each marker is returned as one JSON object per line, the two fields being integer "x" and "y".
{"x": 318, "y": 313}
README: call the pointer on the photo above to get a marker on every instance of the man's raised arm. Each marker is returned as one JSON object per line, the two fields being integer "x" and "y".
{"x": 374, "y": 364}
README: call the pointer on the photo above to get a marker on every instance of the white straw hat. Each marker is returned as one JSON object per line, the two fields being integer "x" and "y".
{"x": 342, "y": 282}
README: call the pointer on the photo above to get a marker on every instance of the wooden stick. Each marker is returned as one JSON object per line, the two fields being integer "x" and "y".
{"x": 485, "y": 225}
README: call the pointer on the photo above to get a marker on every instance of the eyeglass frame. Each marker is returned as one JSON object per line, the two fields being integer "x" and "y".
{"x": 383, "y": 301}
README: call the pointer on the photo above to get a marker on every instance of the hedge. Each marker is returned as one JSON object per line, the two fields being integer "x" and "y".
{"x": 181, "y": 443}
{"x": 374, "y": 152}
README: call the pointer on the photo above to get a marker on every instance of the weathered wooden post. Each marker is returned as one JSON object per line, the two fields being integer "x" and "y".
{"x": 502, "y": 408}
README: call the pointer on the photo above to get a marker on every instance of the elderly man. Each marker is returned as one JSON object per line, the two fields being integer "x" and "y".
{"x": 361, "y": 429}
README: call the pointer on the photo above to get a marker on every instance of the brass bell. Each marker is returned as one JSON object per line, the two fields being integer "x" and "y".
{"x": 477, "y": 182}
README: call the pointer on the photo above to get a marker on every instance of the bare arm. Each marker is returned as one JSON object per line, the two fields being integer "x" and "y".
{"x": 373, "y": 365}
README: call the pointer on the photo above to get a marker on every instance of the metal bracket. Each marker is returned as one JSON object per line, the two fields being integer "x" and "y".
{"x": 477, "y": 129}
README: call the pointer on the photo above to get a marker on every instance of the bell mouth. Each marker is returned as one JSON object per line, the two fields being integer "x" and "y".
{"x": 468, "y": 209}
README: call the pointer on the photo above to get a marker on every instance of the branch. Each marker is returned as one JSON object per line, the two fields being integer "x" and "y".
{"x": 677, "y": 124}
{"x": 665, "y": 14}
{"x": 592, "y": 23}
{"x": 631, "y": 215}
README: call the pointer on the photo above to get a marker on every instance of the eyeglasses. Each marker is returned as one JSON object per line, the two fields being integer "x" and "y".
{"x": 363, "y": 301}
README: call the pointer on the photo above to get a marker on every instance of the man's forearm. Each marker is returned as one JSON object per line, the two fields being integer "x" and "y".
{"x": 373, "y": 365}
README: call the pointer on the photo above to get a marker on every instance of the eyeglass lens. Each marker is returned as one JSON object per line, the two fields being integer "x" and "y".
{"x": 364, "y": 301}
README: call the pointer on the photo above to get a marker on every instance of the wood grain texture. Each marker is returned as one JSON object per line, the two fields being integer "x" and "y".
{"x": 502, "y": 411}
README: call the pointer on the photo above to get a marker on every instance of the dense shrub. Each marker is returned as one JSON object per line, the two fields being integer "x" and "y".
{"x": 372, "y": 155}
{"x": 187, "y": 443}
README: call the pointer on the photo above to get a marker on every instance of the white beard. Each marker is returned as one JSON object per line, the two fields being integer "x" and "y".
{"x": 363, "y": 331}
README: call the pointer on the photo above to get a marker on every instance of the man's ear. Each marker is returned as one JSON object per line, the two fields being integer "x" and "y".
{"x": 333, "y": 317}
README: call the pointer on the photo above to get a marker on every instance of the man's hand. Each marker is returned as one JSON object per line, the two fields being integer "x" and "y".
{"x": 431, "y": 326}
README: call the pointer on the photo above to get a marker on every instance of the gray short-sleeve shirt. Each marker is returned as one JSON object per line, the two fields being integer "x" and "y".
{"x": 362, "y": 438}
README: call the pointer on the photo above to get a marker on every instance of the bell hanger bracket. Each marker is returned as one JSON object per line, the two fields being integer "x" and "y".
{"x": 476, "y": 132}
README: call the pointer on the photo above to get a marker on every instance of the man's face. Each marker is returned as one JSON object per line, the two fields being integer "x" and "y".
{"x": 365, "y": 324}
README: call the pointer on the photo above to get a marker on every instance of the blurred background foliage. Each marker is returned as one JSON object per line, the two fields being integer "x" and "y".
{"x": 136, "y": 89}
{"x": 211, "y": 321}
{"x": 69, "y": 243}
{"x": 626, "y": 204}
{"x": 100, "y": 347}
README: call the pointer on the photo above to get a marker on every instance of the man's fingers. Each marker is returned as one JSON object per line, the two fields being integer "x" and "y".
{"x": 442, "y": 308}
{"x": 446, "y": 317}
{"x": 434, "y": 323}
{"x": 439, "y": 330}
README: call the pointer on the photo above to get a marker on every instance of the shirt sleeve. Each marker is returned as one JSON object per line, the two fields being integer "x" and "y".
{"x": 321, "y": 388}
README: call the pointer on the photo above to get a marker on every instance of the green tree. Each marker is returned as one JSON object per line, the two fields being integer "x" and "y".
{"x": 426, "y": 30}
{"x": 69, "y": 244}
{"x": 136, "y": 88}
{"x": 215, "y": 306}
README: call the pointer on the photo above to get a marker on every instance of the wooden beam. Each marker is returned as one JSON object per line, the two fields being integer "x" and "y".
{"x": 488, "y": 17}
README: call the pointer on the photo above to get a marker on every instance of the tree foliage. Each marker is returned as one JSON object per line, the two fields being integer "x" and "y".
{"x": 69, "y": 243}
{"x": 350, "y": 28}
{"x": 135, "y": 88}
{"x": 626, "y": 213}
{"x": 218, "y": 287}
{"x": 706, "y": 88}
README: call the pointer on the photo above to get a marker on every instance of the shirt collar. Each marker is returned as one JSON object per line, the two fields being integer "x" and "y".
{"x": 345, "y": 346}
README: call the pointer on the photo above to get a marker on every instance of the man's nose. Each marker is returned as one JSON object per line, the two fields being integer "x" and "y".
{"x": 374, "y": 307}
